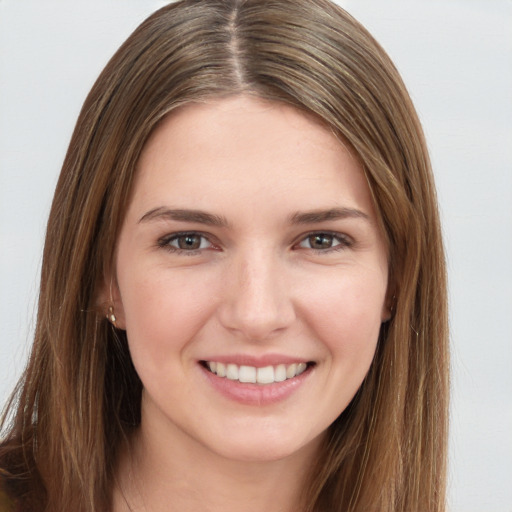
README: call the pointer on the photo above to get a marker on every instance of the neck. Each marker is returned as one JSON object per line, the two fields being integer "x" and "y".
{"x": 174, "y": 472}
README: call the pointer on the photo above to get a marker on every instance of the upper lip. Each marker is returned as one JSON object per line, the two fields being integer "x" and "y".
{"x": 256, "y": 361}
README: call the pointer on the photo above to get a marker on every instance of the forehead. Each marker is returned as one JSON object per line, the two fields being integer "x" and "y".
{"x": 235, "y": 151}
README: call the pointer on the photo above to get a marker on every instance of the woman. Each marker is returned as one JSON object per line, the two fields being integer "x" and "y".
{"x": 243, "y": 294}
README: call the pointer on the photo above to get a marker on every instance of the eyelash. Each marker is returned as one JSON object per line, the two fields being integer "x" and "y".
{"x": 344, "y": 242}
{"x": 165, "y": 242}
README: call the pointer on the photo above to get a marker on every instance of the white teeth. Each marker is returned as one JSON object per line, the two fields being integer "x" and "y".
{"x": 291, "y": 371}
{"x": 265, "y": 375}
{"x": 300, "y": 368}
{"x": 247, "y": 374}
{"x": 232, "y": 372}
{"x": 221, "y": 370}
{"x": 253, "y": 375}
{"x": 280, "y": 373}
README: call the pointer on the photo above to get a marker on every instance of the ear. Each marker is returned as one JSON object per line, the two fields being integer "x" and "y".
{"x": 110, "y": 303}
{"x": 389, "y": 306}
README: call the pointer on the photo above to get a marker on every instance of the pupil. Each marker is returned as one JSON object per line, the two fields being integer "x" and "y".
{"x": 189, "y": 242}
{"x": 321, "y": 241}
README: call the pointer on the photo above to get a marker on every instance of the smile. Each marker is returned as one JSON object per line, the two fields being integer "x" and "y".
{"x": 253, "y": 375}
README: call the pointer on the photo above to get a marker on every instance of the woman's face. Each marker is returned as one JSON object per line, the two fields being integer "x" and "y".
{"x": 251, "y": 278}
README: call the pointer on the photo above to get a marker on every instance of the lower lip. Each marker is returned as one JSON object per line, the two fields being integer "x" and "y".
{"x": 256, "y": 394}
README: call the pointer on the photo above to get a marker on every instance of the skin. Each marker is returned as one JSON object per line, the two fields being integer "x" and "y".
{"x": 267, "y": 281}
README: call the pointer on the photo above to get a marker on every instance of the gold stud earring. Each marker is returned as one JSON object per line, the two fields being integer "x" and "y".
{"x": 111, "y": 316}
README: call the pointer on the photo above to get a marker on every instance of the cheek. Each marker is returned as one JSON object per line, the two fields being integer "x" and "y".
{"x": 346, "y": 315}
{"x": 343, "y": 314}
{"x": 163, "y": 312}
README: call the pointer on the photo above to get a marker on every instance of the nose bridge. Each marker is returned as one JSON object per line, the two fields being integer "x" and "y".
{"x": 257, "y": 302}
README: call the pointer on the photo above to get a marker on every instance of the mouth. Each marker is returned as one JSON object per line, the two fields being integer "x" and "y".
{"x": 257, "y": 375}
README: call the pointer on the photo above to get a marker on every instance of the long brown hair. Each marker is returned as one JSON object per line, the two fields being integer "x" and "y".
{"x": 80, "y": 394}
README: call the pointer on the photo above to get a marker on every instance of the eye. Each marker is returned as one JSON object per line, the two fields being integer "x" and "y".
{"x": 325, "y": 241}
{"x": 188, "y": 242}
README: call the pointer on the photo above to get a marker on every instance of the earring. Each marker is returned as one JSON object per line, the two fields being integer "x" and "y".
{"x": 393, "y": 304}
{"x": 111, "y": 316}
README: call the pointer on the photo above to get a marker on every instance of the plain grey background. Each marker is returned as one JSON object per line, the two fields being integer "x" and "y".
{"x": 456, "y": 58}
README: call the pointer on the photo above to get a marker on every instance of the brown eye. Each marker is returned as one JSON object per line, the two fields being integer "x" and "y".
{"x": 320, "y": 241}
{"x": 185, "y": 242}
{"x": 189, "y": 242}
{"x": 324, "y": 241}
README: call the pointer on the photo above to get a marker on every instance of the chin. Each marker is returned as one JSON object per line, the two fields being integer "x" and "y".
{"x": 264, "y": 447}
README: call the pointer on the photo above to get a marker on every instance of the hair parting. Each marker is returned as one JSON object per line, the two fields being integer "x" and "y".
{"x": 79, "y": 397}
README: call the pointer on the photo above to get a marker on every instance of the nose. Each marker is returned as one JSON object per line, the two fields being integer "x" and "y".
{"x": 256, "y": 302}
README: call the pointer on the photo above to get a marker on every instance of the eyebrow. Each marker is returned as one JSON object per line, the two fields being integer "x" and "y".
{"x": 209, "y": 219}
{"x": 315, "y": 216}
{"x": 197, "y": 216}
